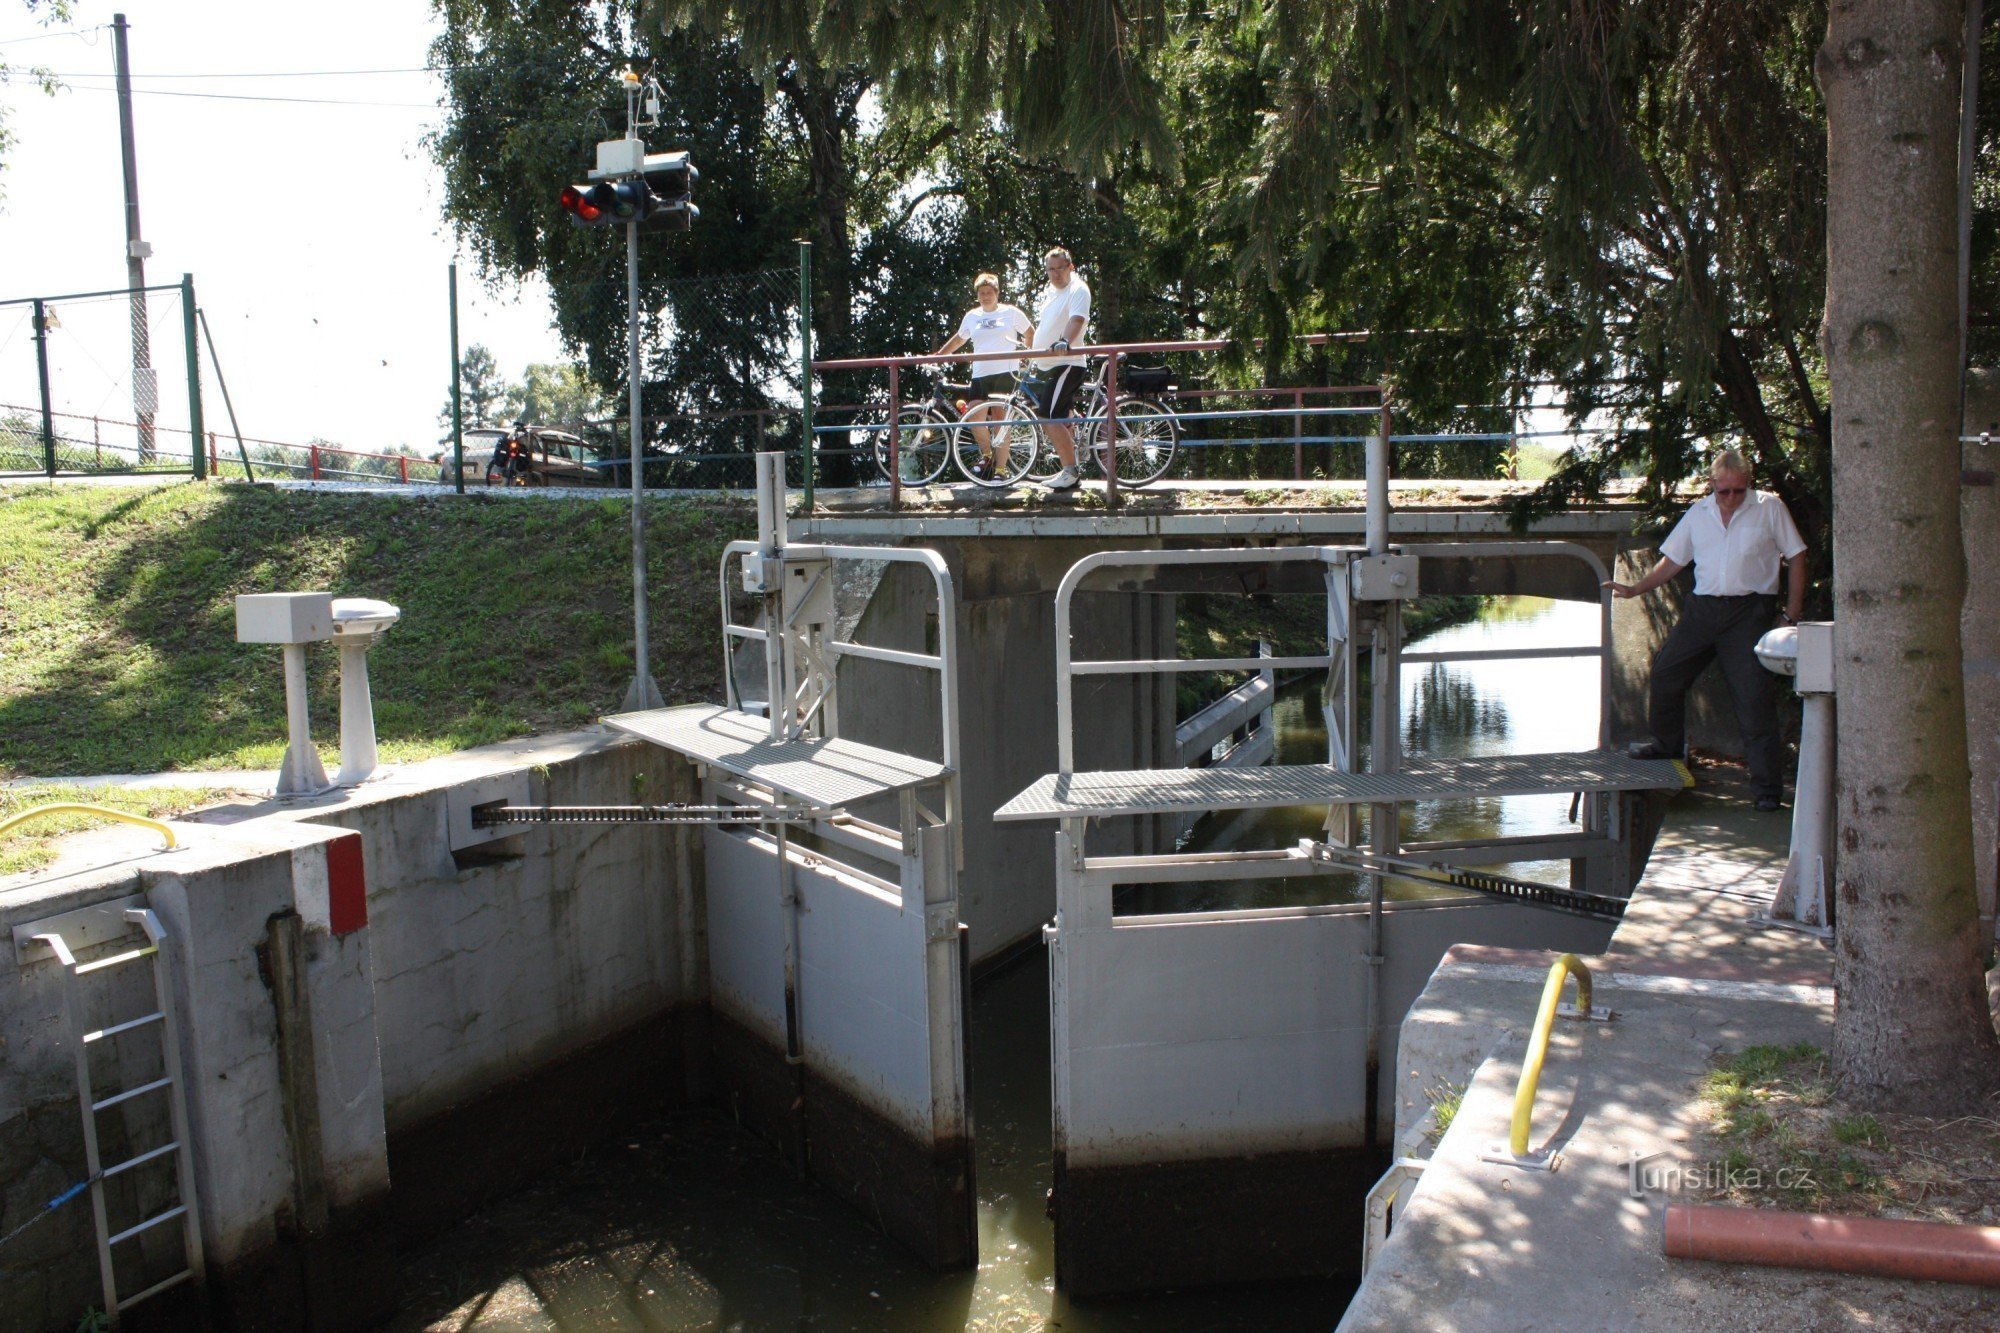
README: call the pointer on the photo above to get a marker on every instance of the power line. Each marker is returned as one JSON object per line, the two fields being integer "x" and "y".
{"x": 46, "y": 36}
{"x": 251, "y": 97}
{"x": 272, "y": 74}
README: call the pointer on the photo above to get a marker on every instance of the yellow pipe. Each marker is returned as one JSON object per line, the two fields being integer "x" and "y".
{"x": 1538, "y": 1044}
{"x": 102, "y": 812}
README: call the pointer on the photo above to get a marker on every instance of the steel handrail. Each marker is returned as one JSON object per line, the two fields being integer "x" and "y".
{"x": 77, "y": 808}
{"x": 1538, "y": 1044}
{"x": 1020, "y": 354}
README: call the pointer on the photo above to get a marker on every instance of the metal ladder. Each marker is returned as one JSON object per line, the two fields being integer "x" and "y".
{"x": 162, "y": 1020}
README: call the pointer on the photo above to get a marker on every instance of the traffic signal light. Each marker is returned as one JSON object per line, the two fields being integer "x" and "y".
{"x": 661, "y": 197}
{"x": 670, "y": 180}
{"x": 577, "y": 203}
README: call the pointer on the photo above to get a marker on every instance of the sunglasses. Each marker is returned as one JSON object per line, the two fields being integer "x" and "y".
{"x": 1730, "y": 490}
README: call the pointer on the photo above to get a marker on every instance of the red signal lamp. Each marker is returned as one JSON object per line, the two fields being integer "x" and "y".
{"x": 576, "y": 201}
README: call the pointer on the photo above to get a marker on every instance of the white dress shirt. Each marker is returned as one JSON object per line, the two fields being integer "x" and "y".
{"x": 1741, "y": 557}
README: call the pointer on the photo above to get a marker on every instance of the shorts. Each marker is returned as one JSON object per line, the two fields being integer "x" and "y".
{"x": 994, "y": 386}
{"x": 1056, "y": 395}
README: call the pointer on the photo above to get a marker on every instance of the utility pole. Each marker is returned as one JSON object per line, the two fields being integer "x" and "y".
{"x": 145, "y": 383}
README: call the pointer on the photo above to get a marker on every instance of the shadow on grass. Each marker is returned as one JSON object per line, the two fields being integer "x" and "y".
{"x": 120, "y": 614}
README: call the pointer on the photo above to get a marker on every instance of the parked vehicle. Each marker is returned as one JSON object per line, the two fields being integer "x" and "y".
{"x": 546, "y": 457}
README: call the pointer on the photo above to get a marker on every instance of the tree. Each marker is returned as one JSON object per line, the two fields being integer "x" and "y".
{"x": 555, "y": 395}
{"x": 481, "y": 390}
{"x": 1913, "y": 1030}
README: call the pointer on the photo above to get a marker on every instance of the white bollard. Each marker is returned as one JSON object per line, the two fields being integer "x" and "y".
{"x": 292, "y": 620}
{"x": 1806, "y": 655}
{"x": 357, "y": 623}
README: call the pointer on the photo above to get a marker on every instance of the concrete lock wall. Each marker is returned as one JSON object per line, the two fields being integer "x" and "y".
{"x": 360, "y": 1012}
{"x": 1211, "y": 1082}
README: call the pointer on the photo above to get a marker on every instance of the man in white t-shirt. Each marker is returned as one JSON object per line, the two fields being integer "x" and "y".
{"x": 989, "y": 326}
{"x": 1059, "y": 322}
{"x": 1735, "y": 538}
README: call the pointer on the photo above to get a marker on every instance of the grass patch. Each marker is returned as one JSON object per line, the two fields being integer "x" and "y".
{"x": 33, "y": 845}
{"x": 1784, "y": 1139}
{"x": 1445, "y": 1099}
{"x": 117, "y": 609}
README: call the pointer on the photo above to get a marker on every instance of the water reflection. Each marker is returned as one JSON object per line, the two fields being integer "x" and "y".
{"x": 1449, "y": 709}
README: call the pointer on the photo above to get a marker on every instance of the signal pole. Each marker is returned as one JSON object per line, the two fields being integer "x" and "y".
{"x": 644, "y": 691}
{"x": 145, "y": 385}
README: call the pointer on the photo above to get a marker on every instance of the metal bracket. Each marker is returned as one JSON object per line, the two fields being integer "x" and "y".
{"x": 1384, "y": 578}
{"x": 1546, "y": 1159}
{"x": 940, "y": 922}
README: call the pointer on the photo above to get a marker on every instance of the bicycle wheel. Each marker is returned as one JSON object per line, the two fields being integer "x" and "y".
{"x": 1014, "y": 438}
{"x": 1147, "y": 437}
{"x": 924, "y": 450}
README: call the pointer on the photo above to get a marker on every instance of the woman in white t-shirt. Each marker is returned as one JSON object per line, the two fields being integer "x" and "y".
{"x": 989, "y": 327}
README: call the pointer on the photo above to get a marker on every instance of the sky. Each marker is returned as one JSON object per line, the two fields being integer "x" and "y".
{"x": 313, "y": 230}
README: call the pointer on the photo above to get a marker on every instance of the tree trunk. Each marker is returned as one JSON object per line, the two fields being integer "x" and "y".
{"x": 1913, "y": 1031}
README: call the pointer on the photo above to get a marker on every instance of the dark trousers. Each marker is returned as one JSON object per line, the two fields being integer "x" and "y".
{"x": 1722, "y": 630}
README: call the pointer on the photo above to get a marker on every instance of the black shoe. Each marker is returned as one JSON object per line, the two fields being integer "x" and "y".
{"x": 1648, "y": 750}
{"x": 1769, "y": 803}
{"x": 983, "y": 469}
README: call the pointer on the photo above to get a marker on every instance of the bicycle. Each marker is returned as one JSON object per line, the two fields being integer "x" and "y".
{"x": 927, "y": 428}
{"x": 1148, "y": 434}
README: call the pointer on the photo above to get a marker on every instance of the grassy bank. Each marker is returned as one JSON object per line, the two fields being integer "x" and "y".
{"x": 117, "y": 618}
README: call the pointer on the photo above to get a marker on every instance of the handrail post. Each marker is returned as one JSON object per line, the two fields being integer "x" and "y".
{"x": 806, "y": 374}
{"x": 1110, "y": 423}
{"x": 1298, "y": 435}
{"x": 895, "y": 438}
{"x": 1538, "y": 1049}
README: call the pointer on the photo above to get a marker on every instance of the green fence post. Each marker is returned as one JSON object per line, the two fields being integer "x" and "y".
{"x": 457, "y": 409}
{"x": 806, "y": 369}
{"x": 42, "y": 370}
{"x": 195, "y": 431}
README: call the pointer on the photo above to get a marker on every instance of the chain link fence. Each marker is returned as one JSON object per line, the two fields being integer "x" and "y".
{"x": 101, "y": 382}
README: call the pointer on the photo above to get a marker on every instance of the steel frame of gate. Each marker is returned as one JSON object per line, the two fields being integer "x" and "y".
{"x": 786, "y": 773}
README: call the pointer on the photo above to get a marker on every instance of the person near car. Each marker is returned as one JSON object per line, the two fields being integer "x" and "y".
{"x": 990, "y": 326}
{"x": 1060, "y": 320}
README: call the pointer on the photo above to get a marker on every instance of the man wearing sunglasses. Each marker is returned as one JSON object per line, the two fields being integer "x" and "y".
{"x": 1735, "y": 538}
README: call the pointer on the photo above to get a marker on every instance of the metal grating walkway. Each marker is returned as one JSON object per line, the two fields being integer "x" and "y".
{"x": 825, "y": 773}
{"x": 1182, "y": 790}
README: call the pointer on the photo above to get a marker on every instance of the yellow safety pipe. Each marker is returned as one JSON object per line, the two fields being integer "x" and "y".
{"x": 1538, "y": 1043}
{"x": 102, "y": 812}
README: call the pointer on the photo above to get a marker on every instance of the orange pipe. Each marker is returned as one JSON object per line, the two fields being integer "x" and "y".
{"x": 1870, "y": 1246}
